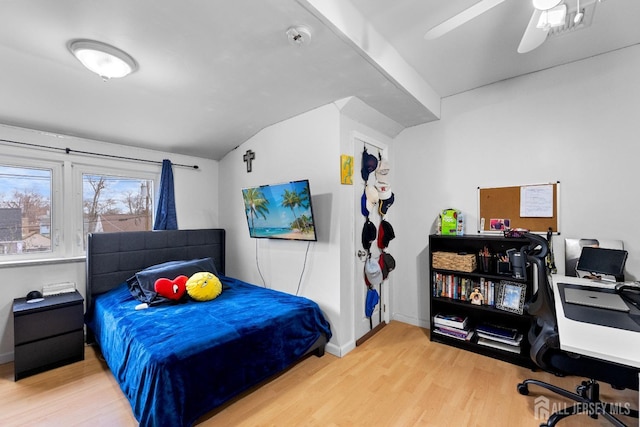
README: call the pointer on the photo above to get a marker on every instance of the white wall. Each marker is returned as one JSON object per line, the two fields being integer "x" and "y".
{"x": 304, "y": 147}
{"x": 196, "y": 205}
{"x": 576, "y": 124}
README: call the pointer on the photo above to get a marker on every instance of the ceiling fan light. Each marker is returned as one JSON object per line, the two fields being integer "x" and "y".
{"x": 555, "y": 17}
{"x": 103, "y": 59}
{"x": 546, "y": 4}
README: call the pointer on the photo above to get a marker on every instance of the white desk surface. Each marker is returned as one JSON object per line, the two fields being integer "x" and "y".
{"x": 602, "y": 342}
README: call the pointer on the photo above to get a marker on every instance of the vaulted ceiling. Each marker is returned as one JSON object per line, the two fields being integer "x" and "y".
{"x": 212, "y": 73}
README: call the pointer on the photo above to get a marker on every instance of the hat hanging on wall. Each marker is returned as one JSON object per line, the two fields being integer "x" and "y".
{"x": 368, "y": 234}
{"x": 34, "y": 296}
{"x": 365, "y": 205}
{"x": 372, "y": 272}
{"x": 369, "y": 164}
{"x": 387, "y": 264}
{"x": 385, "y": 234}
{"x": 372, "y": 195}
{"x": 372, "y": 300}
{"x": 384, "y": 205}
{"x": 384, "y": 190}
{"x": 382, "y": 171}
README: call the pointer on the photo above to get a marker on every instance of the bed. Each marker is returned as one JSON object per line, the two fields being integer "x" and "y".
{"x": 177, "y": 361}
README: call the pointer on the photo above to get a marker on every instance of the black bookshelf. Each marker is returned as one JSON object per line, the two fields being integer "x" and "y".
{"x": 443, "y": 301}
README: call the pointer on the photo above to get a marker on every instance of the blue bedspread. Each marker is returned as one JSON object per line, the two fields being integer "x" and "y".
{"x": 177, "y": 362}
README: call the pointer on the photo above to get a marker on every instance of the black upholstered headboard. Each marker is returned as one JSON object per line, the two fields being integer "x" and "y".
{"x": 112, "y": 258}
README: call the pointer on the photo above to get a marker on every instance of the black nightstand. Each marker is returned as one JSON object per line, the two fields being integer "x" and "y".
{"x": 48, "y": 333}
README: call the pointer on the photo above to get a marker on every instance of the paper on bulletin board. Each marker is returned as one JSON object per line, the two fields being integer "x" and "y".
{"x": 536, "y": 201}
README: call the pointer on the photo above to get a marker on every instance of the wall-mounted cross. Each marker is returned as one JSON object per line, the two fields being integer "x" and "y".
{"x": 248, "y": 157}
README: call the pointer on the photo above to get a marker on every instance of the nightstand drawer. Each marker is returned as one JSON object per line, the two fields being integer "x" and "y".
{"x": 47, "y": 333}
{"x": 48, "y": 353}
{"x": 48, "y": 323}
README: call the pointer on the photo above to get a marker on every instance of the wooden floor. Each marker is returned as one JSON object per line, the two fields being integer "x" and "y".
{"x": 396, "y": 378}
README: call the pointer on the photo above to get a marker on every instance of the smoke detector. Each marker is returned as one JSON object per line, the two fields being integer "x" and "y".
{"x": 299, "y": 35}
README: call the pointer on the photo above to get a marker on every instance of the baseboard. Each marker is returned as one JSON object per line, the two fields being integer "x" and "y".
{"x": 371, "y": 333}
{"x": 332, "y": 349}
{"x": 422, "y": 323}
{"x": 6, "y": 358}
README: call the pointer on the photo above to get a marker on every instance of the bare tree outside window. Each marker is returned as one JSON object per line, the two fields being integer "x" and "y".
{"x": 113, "y": 204}
{"x": 109, "y": 203}
{"x": 25, "y": 210}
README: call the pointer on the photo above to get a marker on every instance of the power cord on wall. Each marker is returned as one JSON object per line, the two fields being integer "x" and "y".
{"x": 304, "y": 266}
{"x": 264, "y": 284}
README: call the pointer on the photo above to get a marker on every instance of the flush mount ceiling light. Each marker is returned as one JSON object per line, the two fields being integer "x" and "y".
{"x": 105, "y": 60}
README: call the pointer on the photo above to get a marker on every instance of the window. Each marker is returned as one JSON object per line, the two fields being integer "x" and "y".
{"x": 112, "y": 197}
{"x": 114, "y": 203}
{"x": 49, "y": 204}
{"x": 25, "y": 210}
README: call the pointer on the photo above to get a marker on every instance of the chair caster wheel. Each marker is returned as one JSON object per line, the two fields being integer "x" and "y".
{"x": 523, "y": 389}
{"x": 583, "y": 389}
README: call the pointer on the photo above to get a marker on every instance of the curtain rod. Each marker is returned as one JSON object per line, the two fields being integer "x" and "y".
{"x": 69, "y": 151}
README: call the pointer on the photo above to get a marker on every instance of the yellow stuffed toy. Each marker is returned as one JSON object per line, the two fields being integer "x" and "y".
{"x": 204, "y": 286}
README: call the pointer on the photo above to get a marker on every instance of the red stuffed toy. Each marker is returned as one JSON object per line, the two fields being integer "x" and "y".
{"x": 171, "y": 289}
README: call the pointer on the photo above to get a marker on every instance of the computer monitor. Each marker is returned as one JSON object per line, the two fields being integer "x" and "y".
{"x": 607, "y": 264}
{"x": 573, "y": 248}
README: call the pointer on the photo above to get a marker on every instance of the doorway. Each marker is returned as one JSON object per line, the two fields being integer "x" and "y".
{"x": 366, "y": 326}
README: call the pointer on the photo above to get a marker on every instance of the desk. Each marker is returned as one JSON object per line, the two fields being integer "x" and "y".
{"x": 600, "y": 342}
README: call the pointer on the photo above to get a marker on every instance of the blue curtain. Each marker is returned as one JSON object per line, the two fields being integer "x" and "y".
{"x": 166, "y": 211}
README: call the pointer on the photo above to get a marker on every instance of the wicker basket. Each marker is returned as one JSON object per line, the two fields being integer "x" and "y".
{"x": 454, "y": 261}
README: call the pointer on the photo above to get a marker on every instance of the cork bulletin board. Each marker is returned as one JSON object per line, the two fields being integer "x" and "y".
{"x": 534, "y": 207}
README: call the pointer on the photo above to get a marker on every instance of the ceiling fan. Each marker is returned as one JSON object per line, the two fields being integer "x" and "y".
{"x": 547, "y": 14}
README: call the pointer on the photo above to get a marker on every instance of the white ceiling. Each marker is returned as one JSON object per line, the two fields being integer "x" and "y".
{"x": 484, "y": 50}
{"x": 213, "y": 73}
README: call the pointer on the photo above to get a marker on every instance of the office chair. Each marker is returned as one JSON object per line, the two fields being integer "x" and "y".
{"x": 546, "y": 353}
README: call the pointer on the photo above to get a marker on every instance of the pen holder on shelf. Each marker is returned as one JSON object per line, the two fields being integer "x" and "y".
{"x": 503, "y": 267}
{"x": 486, "y": 263}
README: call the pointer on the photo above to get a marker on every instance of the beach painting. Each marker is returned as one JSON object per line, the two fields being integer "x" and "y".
{"x": 280, "y": 211}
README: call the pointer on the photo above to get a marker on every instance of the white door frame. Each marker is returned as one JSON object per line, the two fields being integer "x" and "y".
{"x": 361, "y": 322}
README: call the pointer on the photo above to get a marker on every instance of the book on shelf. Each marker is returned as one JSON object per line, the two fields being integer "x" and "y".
{"x": 461, "y": 334}
{"x": 450, "y": 320}
{"x": 510, "y": 341}
{"x": 497, "y": 331}
{"x": 499, "y": 345}
{"x": 488, "y": 290}
{"x": 460, "y": 288}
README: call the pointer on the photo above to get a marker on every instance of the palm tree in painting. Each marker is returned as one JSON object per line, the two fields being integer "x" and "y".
{"x": 255, "y": 204}
{"x": 305, "y": 202}
{"x": 305, "y": 197}
{"x": 304, "y": 223}
{"x": 291, "y": 200}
